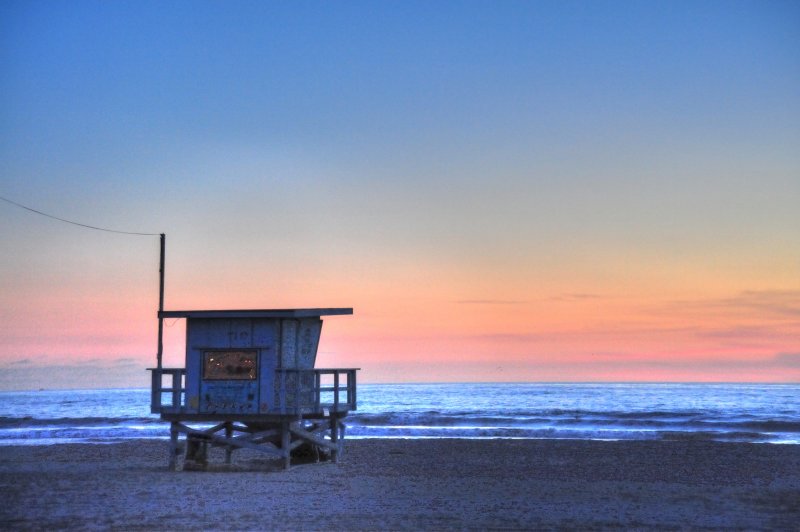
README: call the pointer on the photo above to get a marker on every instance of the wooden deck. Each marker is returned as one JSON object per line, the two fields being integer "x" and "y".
{"x": 299, "y": 392}
{"x": 308, "y": 412}
{"x": 277, "y": 438}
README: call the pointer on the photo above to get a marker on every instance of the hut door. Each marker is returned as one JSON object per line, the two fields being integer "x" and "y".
{"x": 230, "y": 382}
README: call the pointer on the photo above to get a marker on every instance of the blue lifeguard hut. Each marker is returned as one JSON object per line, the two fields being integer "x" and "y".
{"x": 250, "y": 382}
{"x": 252, "y": 373}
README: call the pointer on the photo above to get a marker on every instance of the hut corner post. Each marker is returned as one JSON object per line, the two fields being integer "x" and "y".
{"x": 156, "y": 375}
{"x": 160, "y": 352}
{"x": 174, "y": 449}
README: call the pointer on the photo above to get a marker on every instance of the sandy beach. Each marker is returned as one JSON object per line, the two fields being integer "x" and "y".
{"x": 410, "y": 484}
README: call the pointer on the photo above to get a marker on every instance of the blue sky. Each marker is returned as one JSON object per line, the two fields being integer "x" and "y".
{"x": 470, "y": 151}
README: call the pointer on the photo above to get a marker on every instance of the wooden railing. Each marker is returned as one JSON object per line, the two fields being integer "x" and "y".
{"x": 176, "y": 389}
{"x": 297, "y": 391}
{"x": 302, "y": 391}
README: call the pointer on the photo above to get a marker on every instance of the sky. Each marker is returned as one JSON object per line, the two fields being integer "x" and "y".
{"x": 503, "y": 191}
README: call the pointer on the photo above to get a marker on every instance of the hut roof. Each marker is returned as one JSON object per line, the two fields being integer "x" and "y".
{"x": 256, "y": 313}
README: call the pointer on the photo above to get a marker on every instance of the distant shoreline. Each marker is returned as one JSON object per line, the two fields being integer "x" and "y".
{"x": 735, "y": 413}
{"x": 434, "y": 383}
{"x": 165, "y": 438}
{"x": 417, "y": 483}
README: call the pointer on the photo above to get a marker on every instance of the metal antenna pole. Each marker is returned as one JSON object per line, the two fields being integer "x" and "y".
{"x": 161, "y": 303}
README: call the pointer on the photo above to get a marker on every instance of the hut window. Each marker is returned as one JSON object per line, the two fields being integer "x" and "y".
{"x": 230, "y": 365}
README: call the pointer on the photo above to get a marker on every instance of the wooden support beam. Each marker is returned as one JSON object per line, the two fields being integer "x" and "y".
{"x": 216, "y": 428}
{"x": 277, "y": 436}
{"x": 286, "y": 445}
{"x": 265, "y": 447}
{"x": 313, "y": 438}
{"x": 263, "y": 435}
{"x": 335, "y": 438}
{"x": 228, "y": 436}
{"x": 173, "y": 446}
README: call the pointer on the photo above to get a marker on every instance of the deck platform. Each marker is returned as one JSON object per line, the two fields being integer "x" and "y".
{"x": 307, "y": 419}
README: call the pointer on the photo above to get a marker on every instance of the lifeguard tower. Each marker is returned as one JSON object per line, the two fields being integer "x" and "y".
{"x": 250, "y": 375}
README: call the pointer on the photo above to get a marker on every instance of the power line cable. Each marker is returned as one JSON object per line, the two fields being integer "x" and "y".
{"x": 76, "y": 223}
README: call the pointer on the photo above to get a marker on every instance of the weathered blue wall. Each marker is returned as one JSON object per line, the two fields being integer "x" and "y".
{"x": 284, "y": 342}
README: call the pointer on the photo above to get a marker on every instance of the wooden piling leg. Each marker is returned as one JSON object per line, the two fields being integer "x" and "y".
{"x": 228, "y": 449}
{"x": 335, "y": 438}
{"x": 173, "y": 446}
{"x": 204, "y": 453}
{"x": 340, "y": 438}
{"x": 286, "y": 445}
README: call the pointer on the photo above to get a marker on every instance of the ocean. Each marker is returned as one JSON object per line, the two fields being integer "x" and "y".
{"x": 758, "y": 413}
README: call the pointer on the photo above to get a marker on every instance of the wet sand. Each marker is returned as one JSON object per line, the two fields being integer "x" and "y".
{"x": 410, "y": 484}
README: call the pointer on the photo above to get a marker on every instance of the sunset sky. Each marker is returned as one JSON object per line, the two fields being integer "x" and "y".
{"x": 503, "y": 191}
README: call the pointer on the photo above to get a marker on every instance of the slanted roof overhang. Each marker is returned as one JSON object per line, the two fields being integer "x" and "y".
{"x": 256, "y": 313}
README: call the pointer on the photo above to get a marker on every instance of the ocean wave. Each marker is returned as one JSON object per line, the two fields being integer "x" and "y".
{"x": 599, "y": 412}
{"x": 640, "y": 421}
{"x": 30, "y": 421}
{"x": 731, "y": 436}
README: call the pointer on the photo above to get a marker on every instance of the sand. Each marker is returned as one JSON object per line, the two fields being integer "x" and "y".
{"x": 410, "y": 484}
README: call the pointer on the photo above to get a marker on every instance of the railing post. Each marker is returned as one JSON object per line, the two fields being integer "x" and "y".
{"x": 317, "y": 390}
{"x": 155, "y": 391}
{"x": 349, "y": 389}
{"x": 351, "y": 383}
{"x": 335, "y": 391}
{"x": 176, "y": 389}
